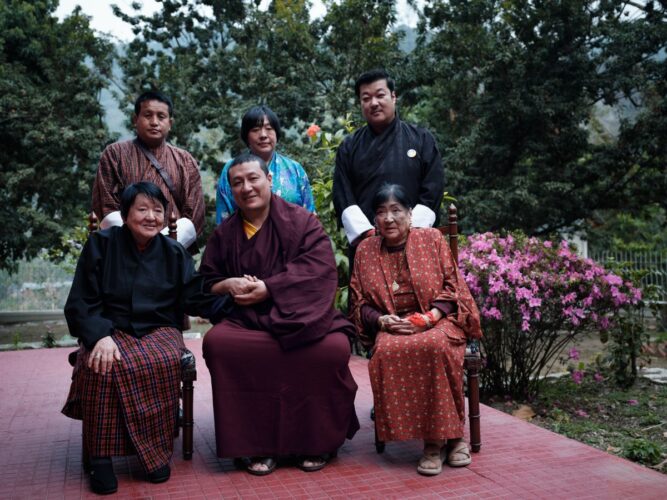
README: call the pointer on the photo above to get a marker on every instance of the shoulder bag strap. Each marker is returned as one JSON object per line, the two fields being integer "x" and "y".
{"x": 160, "y": 170}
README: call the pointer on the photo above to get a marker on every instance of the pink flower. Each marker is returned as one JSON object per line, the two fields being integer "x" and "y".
{"x": 633, "y": 402}
{"x": 613, "y": 280}
{"x": 492, "y": 312}
{"x": 569, "y": 298}
{"x": 581, "y": 413}
{"x": 574, "y": 354}
{"x": 598, "y": 377}
{"x": 577, "y": 376}
{"x": 313, "y": 131}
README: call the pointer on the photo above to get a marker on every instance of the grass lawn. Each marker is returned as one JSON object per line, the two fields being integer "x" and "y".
{"x": 631, "y": 423}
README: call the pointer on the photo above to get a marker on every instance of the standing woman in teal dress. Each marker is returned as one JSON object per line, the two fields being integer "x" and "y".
{"x": 260, "y": 130}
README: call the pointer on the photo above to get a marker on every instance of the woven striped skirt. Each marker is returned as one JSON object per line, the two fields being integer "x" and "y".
{"x": 132, "y": 409}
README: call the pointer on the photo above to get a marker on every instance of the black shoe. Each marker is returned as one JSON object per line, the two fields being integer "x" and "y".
{"x": 102, "y": 479}
{"x": 160, "y": 475}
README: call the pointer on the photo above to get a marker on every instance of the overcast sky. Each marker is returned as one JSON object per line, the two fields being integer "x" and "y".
{"x": 103, "y": 19}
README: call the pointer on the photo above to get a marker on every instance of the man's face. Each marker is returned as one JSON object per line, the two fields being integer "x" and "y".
{"x": 378, "y": 104}
{"x": 251, "y": 187}
{"x": 153, "y": 123}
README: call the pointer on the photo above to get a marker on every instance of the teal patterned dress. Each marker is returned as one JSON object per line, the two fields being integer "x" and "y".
{"x": 290, "y": 182}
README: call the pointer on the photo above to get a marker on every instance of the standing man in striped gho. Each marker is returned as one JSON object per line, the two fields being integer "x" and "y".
{"x": 149, "y": 157}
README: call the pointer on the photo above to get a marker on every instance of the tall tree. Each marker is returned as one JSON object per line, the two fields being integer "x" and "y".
{"x": 513, "y": 88}
{"x": 51, "y": 128}
{"x": 219, "y": 57}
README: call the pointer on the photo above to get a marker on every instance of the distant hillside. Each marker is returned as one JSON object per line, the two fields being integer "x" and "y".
{"x": 409, "y": 41}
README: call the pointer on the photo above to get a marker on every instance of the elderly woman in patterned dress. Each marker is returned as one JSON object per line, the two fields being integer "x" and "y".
{"x": 413, "y": 310}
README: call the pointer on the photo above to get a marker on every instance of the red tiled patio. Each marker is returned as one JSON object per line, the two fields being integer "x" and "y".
{"x": 40, "y": 454}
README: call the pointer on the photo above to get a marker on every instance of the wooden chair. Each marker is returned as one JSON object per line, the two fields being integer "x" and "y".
{"x": 185, "y": 417}
{"x": 472, "y": 363}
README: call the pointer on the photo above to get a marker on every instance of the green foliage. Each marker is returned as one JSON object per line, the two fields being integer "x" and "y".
{"x": 534, "y": 298}
{"x": 48, "y": 340}
{"x": 322, "y": 151}
{"x": 51, "y": 128}
{"x": 596, "y": 412}
{"x": 515, "y": 92}
{"x": 628, "y": 332}
{"x": 217, "y": 67}
{"x": 642, "y": 451}
{"x": 622, "y": 231}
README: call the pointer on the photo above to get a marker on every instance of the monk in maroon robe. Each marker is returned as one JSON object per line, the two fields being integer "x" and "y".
{"x": 279, "y": 358}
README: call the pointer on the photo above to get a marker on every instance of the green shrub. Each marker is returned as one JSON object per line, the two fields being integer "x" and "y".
{"x": 642, "y": 451}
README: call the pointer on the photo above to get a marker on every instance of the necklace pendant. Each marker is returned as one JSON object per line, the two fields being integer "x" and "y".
{"x": 394, "y": 286}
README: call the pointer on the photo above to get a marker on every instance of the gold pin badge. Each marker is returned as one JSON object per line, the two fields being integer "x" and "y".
{"x": 412, "y": 153}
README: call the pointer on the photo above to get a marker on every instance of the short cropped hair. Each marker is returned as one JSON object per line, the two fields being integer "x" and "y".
{"x": 247, "y": 158}
{"x": 131, "y": 192}
{"x": 254, "y": 117}
{"x": 153, "y": 95}
{"x": 389, "y": 192}
{"x": 373, "y": 76}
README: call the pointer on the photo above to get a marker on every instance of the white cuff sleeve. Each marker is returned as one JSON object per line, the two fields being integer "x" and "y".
{"x": 422, "y": 216}
{"x": 186, "y": 234}
{"x": 112, "y": 219}
{"x": 355, "y": 222}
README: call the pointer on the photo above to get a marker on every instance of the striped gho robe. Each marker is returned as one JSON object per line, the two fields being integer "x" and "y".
{"x": 123, "y": 163}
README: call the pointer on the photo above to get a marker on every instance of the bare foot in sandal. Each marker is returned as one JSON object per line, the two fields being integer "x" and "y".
{"x": 458, "y": 454}
{"x": 261, "y": 466}
{"x": 312, "y": 463}
{"x": 430, "y": 464}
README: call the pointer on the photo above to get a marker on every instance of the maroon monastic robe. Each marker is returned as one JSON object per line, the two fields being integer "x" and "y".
{"x": 279, "y": 369}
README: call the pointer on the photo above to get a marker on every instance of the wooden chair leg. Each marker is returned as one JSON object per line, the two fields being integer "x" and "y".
{"x": 85, "y": 457}
{"x": 473, "y": 408}
{"x": 188, "y": 420}
{"x": 379, "y": 445}
{"x": 188, "y": 376}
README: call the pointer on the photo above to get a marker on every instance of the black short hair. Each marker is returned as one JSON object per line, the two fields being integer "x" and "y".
{"x": 254, "y": 117}
{"x": 247, "y": 158}
{"x": 391, "y": 192}
{"x": 153, "y": 95}
{"x": 131, "y": 192}
{"x": 373, "y": 76}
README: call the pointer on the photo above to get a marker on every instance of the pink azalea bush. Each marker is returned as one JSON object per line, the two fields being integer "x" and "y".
{"x": 535, "y": 297}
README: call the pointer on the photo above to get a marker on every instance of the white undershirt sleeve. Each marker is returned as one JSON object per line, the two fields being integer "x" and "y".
{"x": 186, "y": 234}
{"x": 112, "y": 219}
{"x": 355, "y": 223}
{"x": 422, "y": 216}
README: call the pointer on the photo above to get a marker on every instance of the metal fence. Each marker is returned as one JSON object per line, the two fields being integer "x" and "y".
{"x": 37, "y": 285}
{"x": 40, "y": 285}
{"x": 653, "y": 263}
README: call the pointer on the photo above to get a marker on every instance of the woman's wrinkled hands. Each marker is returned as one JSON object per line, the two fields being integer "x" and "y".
{"x": 394, "y": 325}
{"x": 103, "y": 355}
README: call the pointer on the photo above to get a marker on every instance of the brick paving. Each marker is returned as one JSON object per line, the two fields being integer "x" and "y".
{"x": 40, "y": 454}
